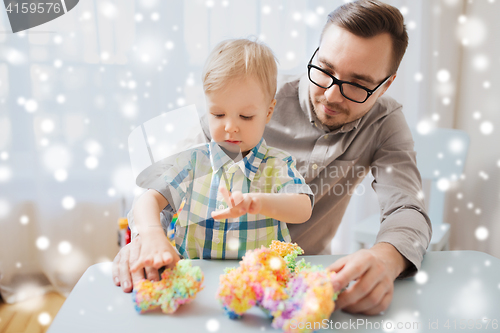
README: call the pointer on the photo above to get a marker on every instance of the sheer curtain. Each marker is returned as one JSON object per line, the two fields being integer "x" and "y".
{"x": 474, "y": 208}
{"x": 72, "y": 90}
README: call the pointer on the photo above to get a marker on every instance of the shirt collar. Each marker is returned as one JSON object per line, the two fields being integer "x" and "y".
{"x": 249, "y": 165}
{"x": 305, "y": 105}
{"x": 218, "y": 157}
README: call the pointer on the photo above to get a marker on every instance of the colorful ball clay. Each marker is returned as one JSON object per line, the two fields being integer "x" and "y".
{"x": 310, "y": 301}
{"x": 177, "y": 286}
{"x": 243, "y": 287}
{"x": 288, "y": 292}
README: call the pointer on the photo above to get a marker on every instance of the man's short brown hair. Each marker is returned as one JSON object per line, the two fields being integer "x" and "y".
{"x": 368, "y": 18}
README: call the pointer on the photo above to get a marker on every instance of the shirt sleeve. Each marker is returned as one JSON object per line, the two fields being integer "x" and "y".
{"x": 289, "y": 179}
{"x": 172, "y": 184}
{"x": 159, "y": 185}
{"x": 175, "y": 181}
{"x": 404, "y": 221}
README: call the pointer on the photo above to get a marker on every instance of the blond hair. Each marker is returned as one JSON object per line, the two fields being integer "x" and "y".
{"x": 239, "y": 58}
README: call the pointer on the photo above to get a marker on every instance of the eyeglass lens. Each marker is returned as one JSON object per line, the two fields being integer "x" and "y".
{"x": 348, "y": 90}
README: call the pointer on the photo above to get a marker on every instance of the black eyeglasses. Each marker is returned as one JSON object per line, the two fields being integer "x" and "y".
{"x": 350, "y": 90}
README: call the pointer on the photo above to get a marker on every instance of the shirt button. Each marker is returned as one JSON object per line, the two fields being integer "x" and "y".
{"x": 221, "y": 207}
{"x": 314, "y": 166}
{"x": 326, "y": 136}
{"x": 216, "y": 241}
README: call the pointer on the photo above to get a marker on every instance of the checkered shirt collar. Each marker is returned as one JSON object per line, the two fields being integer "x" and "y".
{"x": 249, "y": 165}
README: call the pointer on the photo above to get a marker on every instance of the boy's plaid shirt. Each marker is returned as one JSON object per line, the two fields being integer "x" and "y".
{"x": 196, "y": 176}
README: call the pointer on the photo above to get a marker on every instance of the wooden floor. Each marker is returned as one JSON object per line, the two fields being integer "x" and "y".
{"x": 24, "y": 316}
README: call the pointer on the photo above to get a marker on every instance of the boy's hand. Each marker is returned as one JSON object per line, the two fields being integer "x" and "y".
{"x": 156, "y": 251}
{"x": 239, "y": 204}
{"x": 128, "y": 255}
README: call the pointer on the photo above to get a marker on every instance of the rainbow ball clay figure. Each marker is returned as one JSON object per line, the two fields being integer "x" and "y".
{"x": 177, "y": 286}
{"x": 288, "y": 292}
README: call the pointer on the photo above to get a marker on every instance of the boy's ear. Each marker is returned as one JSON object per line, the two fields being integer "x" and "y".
{"x": 270, "y": 110}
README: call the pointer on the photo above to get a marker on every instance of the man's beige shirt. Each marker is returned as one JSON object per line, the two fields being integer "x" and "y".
{"x": 333, "y": 163}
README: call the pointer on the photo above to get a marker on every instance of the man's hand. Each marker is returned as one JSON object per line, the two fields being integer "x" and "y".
{"x": 128, "y": 255}
{"x": 239, "y": 204}
{"x": 374, "y": 271}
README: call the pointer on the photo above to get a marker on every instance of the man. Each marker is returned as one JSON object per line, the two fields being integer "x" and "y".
{"x": 335, "y": 123}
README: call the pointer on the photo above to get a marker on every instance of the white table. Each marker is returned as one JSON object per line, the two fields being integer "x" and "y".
{"x": 462, "y": 288}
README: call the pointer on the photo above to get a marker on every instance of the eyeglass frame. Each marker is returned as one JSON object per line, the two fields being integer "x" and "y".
{"x": 341, "y": 82}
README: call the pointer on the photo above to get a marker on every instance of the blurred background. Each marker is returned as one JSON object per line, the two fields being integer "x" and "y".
{"x": 72, "y": 90}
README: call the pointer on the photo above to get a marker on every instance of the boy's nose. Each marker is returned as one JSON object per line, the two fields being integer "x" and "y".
{"x": 231, "y": 126}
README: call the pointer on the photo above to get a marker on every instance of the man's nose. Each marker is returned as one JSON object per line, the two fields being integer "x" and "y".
{"x": 333, "y": 94}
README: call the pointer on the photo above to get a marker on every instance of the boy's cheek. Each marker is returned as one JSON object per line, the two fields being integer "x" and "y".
{"x": 217, "y": 137}
{"x": 215, "y": 133}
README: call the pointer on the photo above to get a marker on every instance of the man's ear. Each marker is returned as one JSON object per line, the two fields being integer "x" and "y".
{"x": 387, "y": 84}
{"x": 270, "y": 110}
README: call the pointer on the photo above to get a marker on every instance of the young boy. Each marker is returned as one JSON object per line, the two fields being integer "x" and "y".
{"x": 225, "y": 206}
